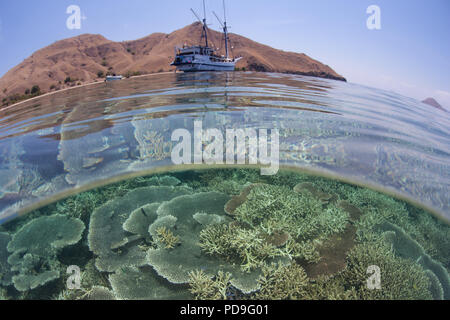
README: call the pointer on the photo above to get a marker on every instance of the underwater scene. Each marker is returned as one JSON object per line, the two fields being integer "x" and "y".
{"x": 96, "y": 204}
{"x": 227, "y": 234}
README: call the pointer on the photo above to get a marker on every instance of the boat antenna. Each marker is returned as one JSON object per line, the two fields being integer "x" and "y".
{"x": 224, "y": 26}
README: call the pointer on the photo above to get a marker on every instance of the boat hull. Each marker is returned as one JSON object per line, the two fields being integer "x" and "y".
{"x": 193, "y": 67}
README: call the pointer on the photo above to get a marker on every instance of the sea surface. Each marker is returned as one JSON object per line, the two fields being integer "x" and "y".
{"x": 367, "y": 170}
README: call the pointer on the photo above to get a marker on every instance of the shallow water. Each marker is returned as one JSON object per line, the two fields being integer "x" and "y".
{"x": 226, "y": 234}
{"x": 71, "y": 139}
{"x": 62, "y": 144}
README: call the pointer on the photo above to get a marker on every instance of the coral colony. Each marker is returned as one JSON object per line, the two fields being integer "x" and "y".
{"x": 226, "y": 234}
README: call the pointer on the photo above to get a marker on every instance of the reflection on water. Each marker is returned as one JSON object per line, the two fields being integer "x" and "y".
{"x": 76, "y": 138}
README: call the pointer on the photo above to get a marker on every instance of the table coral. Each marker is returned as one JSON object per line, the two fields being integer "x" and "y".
{"x": 34, "y": 249}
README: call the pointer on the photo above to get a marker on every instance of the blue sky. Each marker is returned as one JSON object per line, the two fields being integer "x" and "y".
{"x": 409, "y": 55}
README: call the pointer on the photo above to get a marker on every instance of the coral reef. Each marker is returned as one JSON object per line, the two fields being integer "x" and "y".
{"x": 277, "y": 208}
{"x": 132, "y": 283}
{"x": 107, "y": 238}
{"x": 401, "y": 279}
{"x": 99, "y": 293}
{"x": 204, "y": 287}
{"x": 176, "y": 264}
{"x": 5, "y": 269}
{"x": 224, "y": 234}
{"x": 238, "y": 245}
{"x": 166, "y": 238}
{"x": 34, "y": 248}
{"x": 280, "y": 282}
{"x": 405, "y": 247}
{"x": 140, "y": 219}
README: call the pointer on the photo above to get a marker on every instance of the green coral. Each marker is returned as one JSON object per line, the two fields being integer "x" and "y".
{"x": 236, "y": 244}
{"x": 288, "y": 236}
{"x": 305, "y": 250}
{"x": 401, "y": 279}
{"x": 140, "y": 219}
{"x": 34, "y": 249}
{"x": 274, "y": 208}
{"x": 107, "y": 238}
{"x": 279, "y": 282}
{"x": 132, "y": 283}
{"x": 406, "y": 247}
{"x": 5, "y": 269}
{"x": 176, "y": 264}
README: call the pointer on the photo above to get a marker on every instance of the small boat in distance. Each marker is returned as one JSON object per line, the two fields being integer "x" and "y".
{"x": 113, "y": 78}
{"x": 203, "y": 58}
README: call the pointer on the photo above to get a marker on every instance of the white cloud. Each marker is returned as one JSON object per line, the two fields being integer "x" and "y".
{"x": 443, "y": 98}
{"x": 443, "y": 93}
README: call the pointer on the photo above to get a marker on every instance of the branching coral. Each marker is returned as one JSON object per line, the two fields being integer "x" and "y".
{"x": 237, "y": 244}
{"x": 400, "y": 278}
{"x": 175, "y": 264}
{"x": 276, "y": 208}
{"x": 203, "y": 287}
{"x": 167, "y": 238}
{"x": 279, "y": 282}
{"x": 305, "y": 250}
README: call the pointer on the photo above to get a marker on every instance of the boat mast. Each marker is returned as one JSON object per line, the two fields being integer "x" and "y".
{"x": 204, "y": 32}
{"x": 204, "y": 23}
{"x": 225, "y": 28}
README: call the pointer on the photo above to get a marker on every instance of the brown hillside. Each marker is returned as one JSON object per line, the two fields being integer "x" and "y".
{"x": 82, "y": 57}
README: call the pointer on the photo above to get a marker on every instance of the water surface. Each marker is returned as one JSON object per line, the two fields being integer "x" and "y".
{"x": 71, "y": 140}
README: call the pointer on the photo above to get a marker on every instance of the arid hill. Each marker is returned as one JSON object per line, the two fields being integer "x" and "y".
{"x": 432, "y": 102}
{"x": 87, "y": 58}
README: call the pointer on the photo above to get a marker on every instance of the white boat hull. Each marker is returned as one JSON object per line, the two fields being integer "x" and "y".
{"x": 192, "y": 67}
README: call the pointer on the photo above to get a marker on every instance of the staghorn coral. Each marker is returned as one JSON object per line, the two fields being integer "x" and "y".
{"x": 305, "y": 250}
{"x": 401, "y": 279}
{"x": 306, "y": 232}
{"x": 277, "y": 208}
{"x": 167, "y": 238}
{"x": 280, "y": 282}
{"x": 93, "y": 293}
{"x": 235, "y": 244}
{"x": 204, "y": 287}
{"x": 313, "y": 191}
{"x": 99, "y": 293}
